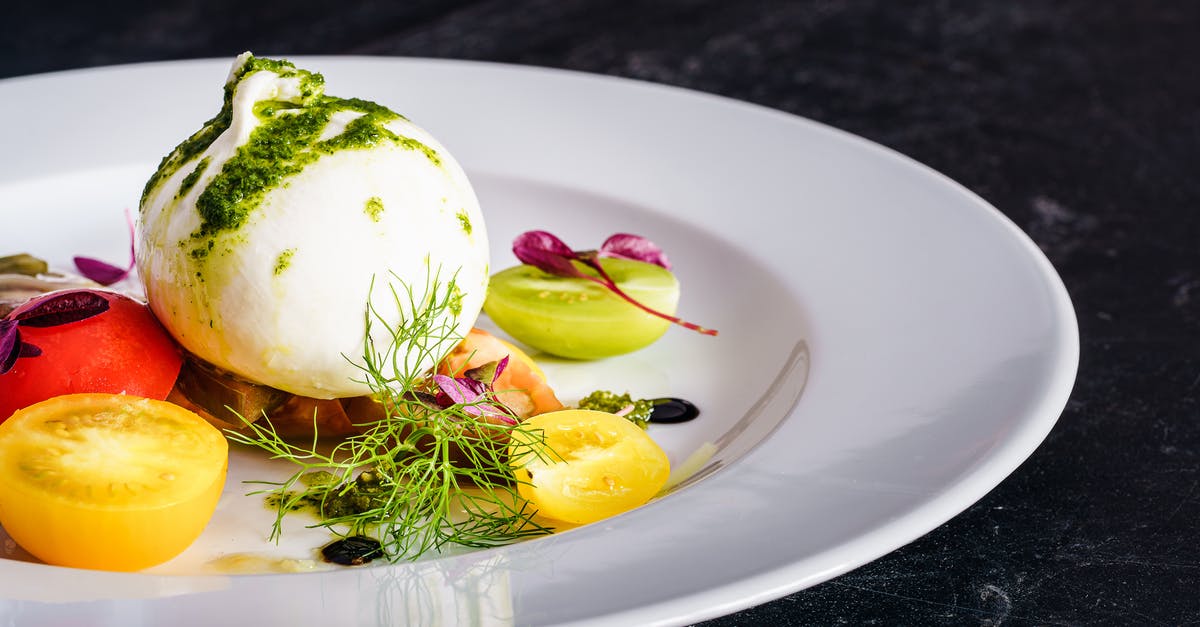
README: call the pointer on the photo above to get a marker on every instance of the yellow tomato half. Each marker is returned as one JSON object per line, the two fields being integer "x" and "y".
{"x": 590, "y": 465}
{"x": 108, "y": 482}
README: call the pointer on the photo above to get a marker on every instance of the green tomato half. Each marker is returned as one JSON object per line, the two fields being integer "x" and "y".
{"x": 580, "y": 319}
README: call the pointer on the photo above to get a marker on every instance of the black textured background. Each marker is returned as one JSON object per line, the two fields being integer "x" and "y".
{"x": 1079, "y": 119}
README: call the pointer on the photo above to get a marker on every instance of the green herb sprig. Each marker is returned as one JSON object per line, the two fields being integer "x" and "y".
{"x": 424, "y": 476}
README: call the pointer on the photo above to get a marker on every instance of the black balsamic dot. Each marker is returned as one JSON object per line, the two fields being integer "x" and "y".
{"x": 671, "y": 410}
{"x": 352, "y": 551}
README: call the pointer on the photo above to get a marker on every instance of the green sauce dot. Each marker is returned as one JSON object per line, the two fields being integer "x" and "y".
{"x": 374, "y": 208}
{"x": 284, "y": 260}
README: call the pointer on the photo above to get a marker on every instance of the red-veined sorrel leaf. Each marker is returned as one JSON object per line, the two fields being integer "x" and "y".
{"x": 635, "y": 247}
{"x": 103, "y": 272}
{"x": 63, "y": 308}
{"x": 550, "y": 254}
{"x": 547, "y": 252}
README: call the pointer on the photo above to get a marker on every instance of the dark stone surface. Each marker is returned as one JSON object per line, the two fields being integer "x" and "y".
{"x": 1079, "y": 119}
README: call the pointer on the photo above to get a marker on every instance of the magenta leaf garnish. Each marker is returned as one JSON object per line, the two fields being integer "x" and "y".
{"x": 100, "y": 271}
{"x": 489, "y": 372}
{"x": 635, "y": 247}
{"x": 103, "y": 272}
{"x": 53, "y": 310}
{"x": 470, "y": 392}
{"x": 451, "y": 390}
{"x": 63, "y": 309}
{"x": 10, "y": 344}
{"x": 547, "y": 252}
{"x": 550, "y": 254}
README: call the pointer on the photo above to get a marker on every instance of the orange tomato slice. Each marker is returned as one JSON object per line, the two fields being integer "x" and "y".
{"x": 107, "y": 481}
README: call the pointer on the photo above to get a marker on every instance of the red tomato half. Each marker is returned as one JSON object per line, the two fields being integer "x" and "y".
{"x": 121, "y": 351}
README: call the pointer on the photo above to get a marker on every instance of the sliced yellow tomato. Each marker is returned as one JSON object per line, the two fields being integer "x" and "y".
{"x": 587, "y": 466}
{"x": 107, "y": 481}
{"x": 521, "y": 387}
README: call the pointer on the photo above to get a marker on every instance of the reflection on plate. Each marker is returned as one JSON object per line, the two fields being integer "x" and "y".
{"x": 934, "y": 345}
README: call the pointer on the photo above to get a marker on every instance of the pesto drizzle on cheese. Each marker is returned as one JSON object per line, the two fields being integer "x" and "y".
{"x": 190, "y": 180}
{"x": 284, "y": 260}
{"x": 287, "y": 139}
{"x": 464, "y": 221}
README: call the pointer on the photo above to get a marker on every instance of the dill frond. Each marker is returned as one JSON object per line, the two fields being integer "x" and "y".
{"x": 424, "y": 476}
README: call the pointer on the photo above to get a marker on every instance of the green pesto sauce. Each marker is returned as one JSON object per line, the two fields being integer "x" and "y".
{"x": 281, "y": 146}
{"x": 201, "y": 253}
{"x": 190, "y": 179}
{"x": 326, "y": 498}
{"x": 275, "y": 501}
{"x": 310, "y": 84}
{"x": 605, "y": 401}
{"x": 374, "y": 208}
{"x": 456, "y": 298}
{"x": 284, "y": 260}
{"x": 364, "y": 132}
{"x": 464, "y": 220}
{"x": 187, "y": 150}
{"x": 412, "y": 144}
{"x": 273, "y": 153}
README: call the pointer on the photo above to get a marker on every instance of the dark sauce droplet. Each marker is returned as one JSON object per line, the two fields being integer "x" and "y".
{"x": 671, "y": 410}
{"x": 352, "y": 551}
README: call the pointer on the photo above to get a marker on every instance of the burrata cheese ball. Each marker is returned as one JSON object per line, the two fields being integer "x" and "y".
{"x": 265, "y": 236}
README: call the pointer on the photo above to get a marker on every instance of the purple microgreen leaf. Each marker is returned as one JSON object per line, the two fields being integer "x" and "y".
{"x": 503, "y": 417}
{"x": 425, "y": 398}
{"x": 461, "y": 390}
{"x": 103, "y": 272}
{"x": 10, "y": 336}
{"x": 473, "y": 387}
{"x": 450, "y": 388}
{"x": 10, "y": 344}
{"x": 500, "y": 366}
{"x": 547, "y": 253}
{"x": 469, "y": 394}
{"x": 634, "y": 247}
{"x": 551, "y": 255}
{"x": 487, "y": 373}
{"x": 488, "y": 410}
{"x": 99, "y": 271}
{"x": 63, "y": 308}
{"x": 29, "y": 350}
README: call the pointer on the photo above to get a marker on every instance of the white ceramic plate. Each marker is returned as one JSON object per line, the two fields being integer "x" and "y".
{"x": 933, "y": 343}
